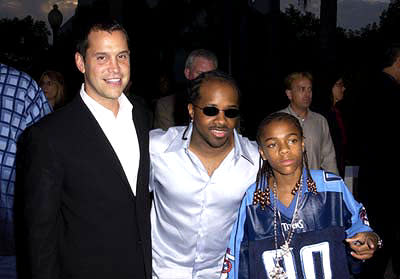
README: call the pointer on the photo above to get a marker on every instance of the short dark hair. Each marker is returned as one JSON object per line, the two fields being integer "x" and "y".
{"x": 215, "y": 75}
{"x": 107, "y": 25}
{"x": 391, "y": 54}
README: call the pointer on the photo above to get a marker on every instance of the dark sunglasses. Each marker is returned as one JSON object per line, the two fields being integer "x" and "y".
{"x": 213, "y": 111}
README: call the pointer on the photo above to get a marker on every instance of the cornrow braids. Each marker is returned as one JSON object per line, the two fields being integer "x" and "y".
{"x": 215, "y": 75}
{"x": 262, "y": 192}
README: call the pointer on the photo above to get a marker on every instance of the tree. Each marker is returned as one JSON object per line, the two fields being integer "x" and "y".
{"x": 390, "y": 22}
{"x": 25, "y": 41}
{"x": 300, "y": 32}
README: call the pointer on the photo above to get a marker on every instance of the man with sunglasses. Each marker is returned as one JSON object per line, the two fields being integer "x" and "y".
{"x": 199, "y": 175}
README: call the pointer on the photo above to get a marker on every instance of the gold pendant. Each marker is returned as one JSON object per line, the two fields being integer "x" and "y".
{"x": 278, "y": 272}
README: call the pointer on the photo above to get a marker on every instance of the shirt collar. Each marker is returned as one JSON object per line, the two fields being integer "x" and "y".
{"x": 292, "y": 112}
{"x": 125, "y": 105}
{"x": 240, "y": 149}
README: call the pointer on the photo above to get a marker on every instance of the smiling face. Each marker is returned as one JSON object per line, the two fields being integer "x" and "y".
{"x": 214, "y": 131}
{"x": 106, "y": 66}
{"x": 282, "y": 145}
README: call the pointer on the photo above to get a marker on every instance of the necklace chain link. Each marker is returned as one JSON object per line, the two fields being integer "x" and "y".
{"x": 278, "y": 272}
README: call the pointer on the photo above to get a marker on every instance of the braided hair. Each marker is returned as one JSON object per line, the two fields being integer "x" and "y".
{"x": 265, "y": 171}
{"x": 215, "y": 75}
{"x": 203, "y": 78}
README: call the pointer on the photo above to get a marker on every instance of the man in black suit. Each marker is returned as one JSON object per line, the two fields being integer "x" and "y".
{"x": 85, "y": 173}
{"x": 377, "y": 186}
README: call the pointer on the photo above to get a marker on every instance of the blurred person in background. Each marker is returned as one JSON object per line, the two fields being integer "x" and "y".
{"x": 171, "y": 110}
{"x": 53, "y": 85}
{"x": 336, "y": 121}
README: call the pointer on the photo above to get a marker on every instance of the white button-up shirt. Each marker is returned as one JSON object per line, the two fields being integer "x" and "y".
{"x": 192, "y": 213}
{"x": 120, "y": 132}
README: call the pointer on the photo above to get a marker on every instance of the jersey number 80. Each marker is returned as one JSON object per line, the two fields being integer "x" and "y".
{"x": 313, "y": 257}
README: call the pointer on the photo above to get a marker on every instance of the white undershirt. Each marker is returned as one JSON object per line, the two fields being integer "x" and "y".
{"x": 120, "y": 132}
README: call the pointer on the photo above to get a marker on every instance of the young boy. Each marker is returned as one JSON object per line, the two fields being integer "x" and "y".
{"x": 293, "y": 222}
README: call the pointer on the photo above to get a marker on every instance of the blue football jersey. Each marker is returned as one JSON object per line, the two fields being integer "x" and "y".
{"x": 317, "y": 249}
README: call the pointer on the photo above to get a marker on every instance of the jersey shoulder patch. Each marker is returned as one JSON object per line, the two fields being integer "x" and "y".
{"x": 329, "y": 176}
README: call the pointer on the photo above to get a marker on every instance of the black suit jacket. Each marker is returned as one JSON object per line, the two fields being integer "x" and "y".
{"x": 377, "y": 183}
{"x": 81, "y": 217}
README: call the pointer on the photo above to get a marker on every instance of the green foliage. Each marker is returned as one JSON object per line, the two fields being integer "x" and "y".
{"x": 300, "y": 34}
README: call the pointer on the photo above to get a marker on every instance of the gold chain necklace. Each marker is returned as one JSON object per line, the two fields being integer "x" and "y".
{"x": 278, "y": 272}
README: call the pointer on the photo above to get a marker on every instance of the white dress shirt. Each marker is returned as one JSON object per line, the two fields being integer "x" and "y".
{"x": 120, "y": 132}
{"x": 192, "y": 213}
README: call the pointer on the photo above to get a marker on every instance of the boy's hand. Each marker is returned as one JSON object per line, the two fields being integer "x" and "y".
{"x": 363, "y": 245}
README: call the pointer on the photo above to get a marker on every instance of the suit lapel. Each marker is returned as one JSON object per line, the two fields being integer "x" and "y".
{"x": 142, "y": 131}
{"x": 93, "y": 133}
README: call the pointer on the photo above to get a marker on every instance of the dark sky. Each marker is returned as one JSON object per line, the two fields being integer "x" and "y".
{"x": 352, "y": 14}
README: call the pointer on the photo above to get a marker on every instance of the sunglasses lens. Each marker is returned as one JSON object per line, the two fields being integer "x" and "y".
{"x": 232, "y": 113}
{"x": 210, "y": 111}
{"x": 213, "y": 111}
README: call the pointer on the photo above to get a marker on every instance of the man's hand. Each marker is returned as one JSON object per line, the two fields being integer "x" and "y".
{"x": 363, "y": 245}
